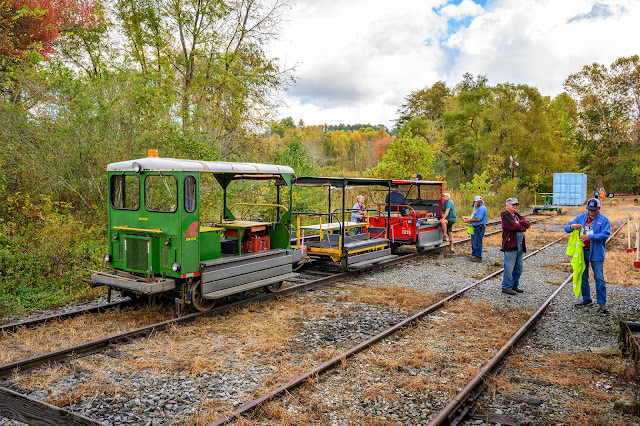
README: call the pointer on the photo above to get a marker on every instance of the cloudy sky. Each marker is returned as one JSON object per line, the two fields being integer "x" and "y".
{"x": 356, "y": 60}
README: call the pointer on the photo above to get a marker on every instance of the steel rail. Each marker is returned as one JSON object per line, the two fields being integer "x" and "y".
{"x": 358, "y": 348}
{"x": 100, "y": 344}
{"x": 457, "y": 406}
{"x": 12, "y": 327}
{"x": 499, "y": 221}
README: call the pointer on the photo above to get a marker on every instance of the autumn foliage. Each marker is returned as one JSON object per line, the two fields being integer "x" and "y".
{"x": 32, "y": 26}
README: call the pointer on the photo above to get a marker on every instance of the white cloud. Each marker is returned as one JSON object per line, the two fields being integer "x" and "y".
{"x": 464, "y": 9}
{"x": 541, "y": 43}
{"x": 358, "y": 59}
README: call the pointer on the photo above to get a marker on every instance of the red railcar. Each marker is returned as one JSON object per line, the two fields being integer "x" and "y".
{"x": 413, "y": 215}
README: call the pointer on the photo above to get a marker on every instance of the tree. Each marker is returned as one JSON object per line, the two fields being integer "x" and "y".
{"x": 406, "y": 155}
{"x": 216, "y": 51}
{"x": 463, "y": 120}
{"x": 30, "y": 27}
{"x": 604, "y": 125}
{"x": 427, "y": 103}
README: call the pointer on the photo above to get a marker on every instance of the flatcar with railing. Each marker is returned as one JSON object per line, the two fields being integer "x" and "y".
{"x": 330, "y": 235}
{"x": 160, "y": 241}
{"x": 402, "y": 212}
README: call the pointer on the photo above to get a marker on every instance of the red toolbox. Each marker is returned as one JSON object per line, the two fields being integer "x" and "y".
{"x": 255, "y": 244}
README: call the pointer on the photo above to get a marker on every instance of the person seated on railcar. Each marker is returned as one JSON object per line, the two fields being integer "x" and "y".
{"x": 395, "y": 198}
{"x": 357, "y": 214}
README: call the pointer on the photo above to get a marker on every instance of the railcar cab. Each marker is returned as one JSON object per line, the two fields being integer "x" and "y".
{"x": 160, "y": 241}
{"x": 414, "y": 218}
{"x": 331, "y": 235}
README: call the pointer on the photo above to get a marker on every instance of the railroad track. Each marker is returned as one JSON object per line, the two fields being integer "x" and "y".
{"x": 15, "y": 326}
{"x": 338, "y": 359}
{"x": 30, "y": 323}
{"x": 305, "y": 281}
{"x": 493, "y": 222}
{"x": 459, "y": 406}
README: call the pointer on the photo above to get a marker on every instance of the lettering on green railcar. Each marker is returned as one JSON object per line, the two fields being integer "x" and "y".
{"x": 191, "y": 239}
{"x": 143, "y": 218}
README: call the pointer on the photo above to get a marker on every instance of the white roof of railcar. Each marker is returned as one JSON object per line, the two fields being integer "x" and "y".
{"x": 177, "y": 165}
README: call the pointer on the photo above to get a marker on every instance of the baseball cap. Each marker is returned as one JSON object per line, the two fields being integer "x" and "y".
{"x": 593, "y": 204}
{"x": 447, "y": 194}
{"x": 512, "y": 201}
{"x": 476, "y": 198}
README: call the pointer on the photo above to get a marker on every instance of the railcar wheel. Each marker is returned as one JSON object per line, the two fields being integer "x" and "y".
{"x": 344, "y": 263}
{"x": 419, "y": 248}
{"x": 273, "y": 287}
{"x": 197, "y": 301}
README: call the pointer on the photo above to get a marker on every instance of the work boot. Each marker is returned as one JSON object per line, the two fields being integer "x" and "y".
{"x": 509, "y": 291}
{"x": 517, "y": 290}
{"x": 602, "y": 308}
{"x": 583, "y": 303}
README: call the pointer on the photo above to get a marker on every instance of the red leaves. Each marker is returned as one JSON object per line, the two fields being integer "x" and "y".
{"x": 32, "y": 26}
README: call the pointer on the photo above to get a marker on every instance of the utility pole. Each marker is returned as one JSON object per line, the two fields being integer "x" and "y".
{"x": 514, "y": 164}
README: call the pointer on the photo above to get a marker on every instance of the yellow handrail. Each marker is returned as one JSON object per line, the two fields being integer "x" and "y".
{"x": 260, "y": 205}
{"x": 126, "y": 228}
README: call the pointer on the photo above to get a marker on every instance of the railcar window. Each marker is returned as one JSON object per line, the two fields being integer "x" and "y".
{"x": 430, "y": 192}
{"x": 190, "y": 194}
{"x": 412, "y": 193}
{"x": 161, "y": 193}
{"x": 125, "y": 192}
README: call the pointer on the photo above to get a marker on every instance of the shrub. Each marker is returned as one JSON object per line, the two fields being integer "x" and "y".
{"x": 44, "y": 252}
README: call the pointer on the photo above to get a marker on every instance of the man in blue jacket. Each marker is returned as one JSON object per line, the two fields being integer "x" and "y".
{"x": 478, "y": 221}
{"x": 597, "y": 229}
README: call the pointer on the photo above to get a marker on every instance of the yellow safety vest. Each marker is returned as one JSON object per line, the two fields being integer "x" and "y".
{"x": 470, "y": 226}
{"x": 575, "y": 249}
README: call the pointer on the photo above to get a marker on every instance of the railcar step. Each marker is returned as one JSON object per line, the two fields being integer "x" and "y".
{"x": 249, "y": 286}
{"x": 372, "y": 261}
{"x": 245, "y": 257}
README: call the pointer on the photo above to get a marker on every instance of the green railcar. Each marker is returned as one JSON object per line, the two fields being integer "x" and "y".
{"x": 160, "y": 241}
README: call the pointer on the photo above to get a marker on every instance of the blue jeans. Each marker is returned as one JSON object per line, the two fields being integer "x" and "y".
{"x": 512, "y": 269}
{"x": 598, "y": 275}
{"x": 476, "y": 241}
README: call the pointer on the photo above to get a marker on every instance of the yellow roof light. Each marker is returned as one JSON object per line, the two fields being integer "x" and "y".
{"x": 152, "y": 152}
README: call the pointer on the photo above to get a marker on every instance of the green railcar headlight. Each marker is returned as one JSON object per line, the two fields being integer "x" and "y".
{"x": 175, "y": 266}
{"x": 107, "y": 258}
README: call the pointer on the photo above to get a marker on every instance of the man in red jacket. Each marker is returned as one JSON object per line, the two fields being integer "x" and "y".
{"x": 513, "y": 246}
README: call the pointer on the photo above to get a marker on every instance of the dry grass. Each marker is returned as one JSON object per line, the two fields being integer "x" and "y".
{"x": 578, "y": 374}
{"x": 56, "y": 335}
{"x": 97, "y": 386}
{"x": 209, "y": 344}
{"x": 439, "y": 354}
{"x": 619, "y": 270}
{"x": 43, "y": 378}
{"x": 255, "y": 330}
{"x": 209, "y": 410}
{"x": 398, "y": 297}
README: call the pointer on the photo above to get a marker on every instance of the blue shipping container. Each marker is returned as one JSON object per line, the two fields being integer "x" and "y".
{"x": 569, "y": 189}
